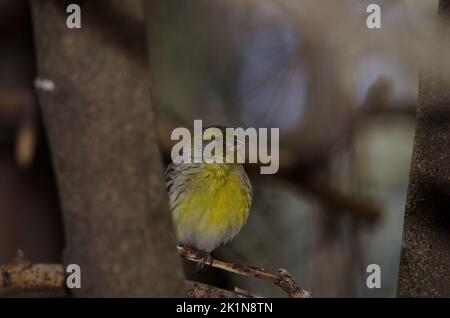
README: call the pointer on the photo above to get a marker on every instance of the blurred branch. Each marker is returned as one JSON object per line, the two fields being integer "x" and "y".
{"x": 105, "y": 156}
{"x": 282, "y": 279}
{"x": 22, "y": 277}
{"x": 333, "y": 199}
{"x": 12, "y": 102}
{"x": 201, "y": 290}
{"x": 377, "y": 101}
{"x": 425, "y": 255}
{"x": 19, "y": 115}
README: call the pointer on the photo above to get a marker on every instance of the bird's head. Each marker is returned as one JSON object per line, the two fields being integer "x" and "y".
{"x": 215, "y": 136}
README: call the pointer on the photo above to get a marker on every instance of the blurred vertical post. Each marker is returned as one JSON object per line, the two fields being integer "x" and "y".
{"x": 425, "y": 259}
{"x": 94, "y": 93}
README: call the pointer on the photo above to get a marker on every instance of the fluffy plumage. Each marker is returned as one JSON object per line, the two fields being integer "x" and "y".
{"x": 209, "y": 202}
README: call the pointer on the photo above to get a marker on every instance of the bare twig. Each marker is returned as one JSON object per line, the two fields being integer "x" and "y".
{"x": 282, "y": 278}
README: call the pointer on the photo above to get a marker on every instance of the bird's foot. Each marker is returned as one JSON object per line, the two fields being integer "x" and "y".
{"x": 206, "y": 259}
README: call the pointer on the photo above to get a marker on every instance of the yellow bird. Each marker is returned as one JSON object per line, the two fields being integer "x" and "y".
{"x": 210, "y": 202}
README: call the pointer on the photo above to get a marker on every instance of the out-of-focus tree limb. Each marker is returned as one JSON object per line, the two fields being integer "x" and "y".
{"x": 329, "y": 197}
{"x": 19, "y": 116}
{"x": 21, "y": 276}
{"x": 425, "y": 255}
{"x": 334, "y": 199}
{"x": 201, "y": 290}
{"x": 302, "y": 174}
{"x": 95, "y": 101}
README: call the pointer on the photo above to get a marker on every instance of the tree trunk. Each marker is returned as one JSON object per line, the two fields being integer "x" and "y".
{"x": 95, "y": 99}
{"x": 425, "y": 259}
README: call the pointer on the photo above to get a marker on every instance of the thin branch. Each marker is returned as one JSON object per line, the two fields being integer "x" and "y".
{"x": 282, "y": 278}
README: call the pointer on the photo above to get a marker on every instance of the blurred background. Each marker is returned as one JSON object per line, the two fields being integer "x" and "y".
{"x": 342, "y": 95}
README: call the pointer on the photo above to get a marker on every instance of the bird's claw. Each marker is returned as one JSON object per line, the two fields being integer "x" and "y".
{"x": 206, "y": 259}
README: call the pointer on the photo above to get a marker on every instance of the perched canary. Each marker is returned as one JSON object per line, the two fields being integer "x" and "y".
{"x": 210, "y": 202}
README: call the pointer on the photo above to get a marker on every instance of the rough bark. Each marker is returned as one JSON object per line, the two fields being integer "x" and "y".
{"x": 95, "y": 101}
{"x": 425, "y": 259}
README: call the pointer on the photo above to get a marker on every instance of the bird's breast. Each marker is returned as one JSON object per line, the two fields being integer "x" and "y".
{"x": 213, "y": 207}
